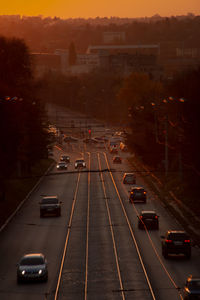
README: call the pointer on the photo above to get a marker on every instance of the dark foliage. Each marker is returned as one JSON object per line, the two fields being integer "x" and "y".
{"x": 49, "y": 34}
{"x": 23, "y": 136}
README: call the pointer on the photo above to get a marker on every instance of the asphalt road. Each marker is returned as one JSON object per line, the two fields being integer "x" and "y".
{"x": 95, "y": 249}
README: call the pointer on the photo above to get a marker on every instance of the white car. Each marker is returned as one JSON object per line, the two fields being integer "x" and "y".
{"x": 80, "y": 163}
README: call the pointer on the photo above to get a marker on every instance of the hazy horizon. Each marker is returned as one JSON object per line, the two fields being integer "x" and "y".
{"x": 90, "y": 9}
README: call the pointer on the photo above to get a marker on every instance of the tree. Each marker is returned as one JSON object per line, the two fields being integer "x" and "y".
{"x": 138, "y": 89}
{"x": 15, "y": 65}
{"x": 72, "y": 54}
{"x": 21, "y": 114}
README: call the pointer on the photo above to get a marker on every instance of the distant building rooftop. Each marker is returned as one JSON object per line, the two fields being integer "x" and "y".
{"x": 122, "y": 46}
{"x": 150, "y": 49}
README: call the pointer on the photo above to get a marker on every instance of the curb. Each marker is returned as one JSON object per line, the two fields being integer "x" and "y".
{"x": 25, "y": 199}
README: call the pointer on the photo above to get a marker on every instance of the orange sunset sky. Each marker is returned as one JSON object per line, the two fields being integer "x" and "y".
{"x": 101, "y": 8}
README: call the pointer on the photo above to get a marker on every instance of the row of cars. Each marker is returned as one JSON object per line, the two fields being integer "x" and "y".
{"x": 33, "y": 266}
{"x": 174, "y": 242}
{"x": 65, "y": 160}
{"x": 137, "y": 194}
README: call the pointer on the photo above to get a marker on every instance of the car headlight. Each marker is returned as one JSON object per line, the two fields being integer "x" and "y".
{"x": 23, "y": 272}
{"x": 40, "y": 272}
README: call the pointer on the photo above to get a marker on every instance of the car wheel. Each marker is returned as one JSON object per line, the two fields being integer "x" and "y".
{"x": 46, "y": 278}
{"x": 140, "y": 226}
{"x": 19, "y": 281}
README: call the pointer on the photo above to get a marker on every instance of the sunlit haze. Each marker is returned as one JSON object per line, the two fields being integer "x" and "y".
{"x": 103, "y": 8}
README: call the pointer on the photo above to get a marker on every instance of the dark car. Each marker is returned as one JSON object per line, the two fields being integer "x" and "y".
{"x": 61, "y": 165}
{"x": 148, "y": 219}
{"x": 80, "y": 163}
{"x": 50, "y": 205}
{"x": 129, "y": 178}
{"x": 65, "y": 158}
{"x": 117, "y": 160}
{"x": 32, "y": 267}
{"x": 176, "y": 242}
{"x": 137, "y": 194}
{"x": 192, "y": 288}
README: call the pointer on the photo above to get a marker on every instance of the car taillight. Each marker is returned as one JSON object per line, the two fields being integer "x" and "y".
{"x": 141, "y": 217}
{"x": 186, "y": 241}
{"x": 145, "y": 193}
{"x": 168, "y": 241}
{"x": 156, "y": 217}
{"x": 131, "y": 193}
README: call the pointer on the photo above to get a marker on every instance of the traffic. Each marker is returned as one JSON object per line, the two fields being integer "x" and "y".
{"x": 94, "y": 229}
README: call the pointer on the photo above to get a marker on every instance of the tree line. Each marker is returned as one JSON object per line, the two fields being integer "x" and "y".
{"x": 49, "y": 34}
{"x": 23, "y": 133}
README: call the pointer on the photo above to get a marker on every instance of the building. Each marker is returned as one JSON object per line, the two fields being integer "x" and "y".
{"x": 175, "y": 58}
{"x": 129, "y": 49}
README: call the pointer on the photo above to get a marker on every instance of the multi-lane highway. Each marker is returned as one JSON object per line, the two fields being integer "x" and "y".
{"x": 95, "y": 249}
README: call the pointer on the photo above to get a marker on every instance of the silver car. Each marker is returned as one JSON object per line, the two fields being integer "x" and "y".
{"x": 80, "y": 163}
{"x": 32, "y": 267}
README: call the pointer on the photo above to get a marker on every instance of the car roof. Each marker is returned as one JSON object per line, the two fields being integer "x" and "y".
{"x": 137, "y": 188}
{"x": 50, "y": 197}
{"x": 129, "y": 174}
{"x": 148, "y": 212}
{"x": 31, "y": 255}
{"x": 177, "y": 231}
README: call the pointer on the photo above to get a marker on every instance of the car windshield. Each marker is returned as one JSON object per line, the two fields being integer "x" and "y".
{"x": 49, "y": 201}
{"x": 178, "y": 236}
{"x": 129, "y": 178}
{"x": 148, "y": 215}
{"x": 139, "y": 191}
{"x": 30, "y": 261}
{"x": 79, "y": 160}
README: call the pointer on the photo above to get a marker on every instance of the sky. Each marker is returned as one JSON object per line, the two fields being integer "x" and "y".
{"x": 99, "y": 8}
